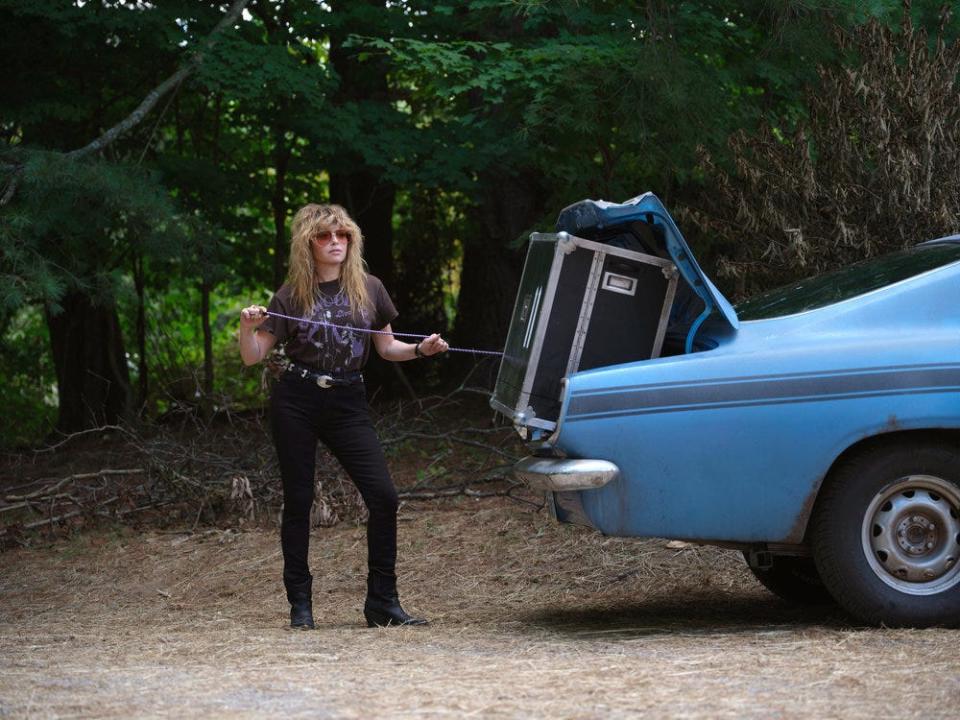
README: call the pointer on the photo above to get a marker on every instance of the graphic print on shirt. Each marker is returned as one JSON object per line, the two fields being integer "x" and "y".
{"x": 336, "y": 346}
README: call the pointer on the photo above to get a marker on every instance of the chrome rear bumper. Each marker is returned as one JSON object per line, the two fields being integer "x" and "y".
{"x": 563, "y": 474}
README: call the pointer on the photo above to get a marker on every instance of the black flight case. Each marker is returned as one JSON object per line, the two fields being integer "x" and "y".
{"x": 581, "y": 304}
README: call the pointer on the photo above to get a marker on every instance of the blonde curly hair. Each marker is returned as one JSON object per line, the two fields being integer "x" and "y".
{"x": 309, "y": 221}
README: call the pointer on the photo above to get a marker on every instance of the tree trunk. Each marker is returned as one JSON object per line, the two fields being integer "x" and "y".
{"x": 369, "y": 200}
{"x": 488, "y": 286}
{"x": 139, "y": 282}
{"x": 370, "y": 204}
{"x": 206, "y": 402}
{"x": 92, "y": 379}
{"x": 360, "y": 188}
{"x": 278, "y": 201}
{"x": 491, "y": 269}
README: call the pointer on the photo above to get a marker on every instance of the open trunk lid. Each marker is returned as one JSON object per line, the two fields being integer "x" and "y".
{"x": 613, "y": 285}
{"x": 587, "y": 216}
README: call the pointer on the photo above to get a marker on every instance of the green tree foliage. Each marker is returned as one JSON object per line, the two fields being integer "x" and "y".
{"x": 67, "y": 242}
{"x": 74, "y": 228}
{"x": 601, "y": 98}
{"x": 526, "y": 108}
{"x": 75, "y": 225}
{"x": 449, "y": 129}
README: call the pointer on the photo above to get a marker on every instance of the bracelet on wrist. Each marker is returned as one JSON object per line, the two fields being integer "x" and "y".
{"x": 417, "y": 351}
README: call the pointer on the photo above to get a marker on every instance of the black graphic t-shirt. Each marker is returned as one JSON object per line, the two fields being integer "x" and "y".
{"x": 332, "y": 349}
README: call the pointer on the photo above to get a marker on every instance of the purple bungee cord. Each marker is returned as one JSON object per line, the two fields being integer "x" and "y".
{"x": 378, "y": 332}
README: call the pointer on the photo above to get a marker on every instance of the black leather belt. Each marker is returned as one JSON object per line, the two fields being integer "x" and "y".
{"x": 323, "y": 378}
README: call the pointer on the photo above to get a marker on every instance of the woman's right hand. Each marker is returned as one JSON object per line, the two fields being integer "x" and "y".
{"x": 254, "y": 346}
{"x": 252, "y": 317}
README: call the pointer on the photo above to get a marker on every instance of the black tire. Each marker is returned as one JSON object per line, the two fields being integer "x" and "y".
{"x": 794, "y": 579}
{"x": 886, "y": 535}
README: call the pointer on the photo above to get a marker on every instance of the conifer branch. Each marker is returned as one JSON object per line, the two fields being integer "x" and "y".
{"x": 15, "y": 172}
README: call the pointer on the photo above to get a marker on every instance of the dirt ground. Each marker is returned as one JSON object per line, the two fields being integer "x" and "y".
{"x": 528, "y": 619}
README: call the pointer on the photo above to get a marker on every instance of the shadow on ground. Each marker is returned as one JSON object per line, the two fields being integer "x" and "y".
{"x": 701, "y": 613}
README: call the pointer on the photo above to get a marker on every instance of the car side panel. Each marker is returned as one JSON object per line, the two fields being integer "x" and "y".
{"x": 717, "y": 446}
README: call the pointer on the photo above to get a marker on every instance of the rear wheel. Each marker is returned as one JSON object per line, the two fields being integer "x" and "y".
{"x": 794, "y": 579}
{"x": 886, "y": 535}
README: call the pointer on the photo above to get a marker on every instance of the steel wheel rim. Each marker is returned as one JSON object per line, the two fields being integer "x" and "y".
{"x": 911, "y": 535}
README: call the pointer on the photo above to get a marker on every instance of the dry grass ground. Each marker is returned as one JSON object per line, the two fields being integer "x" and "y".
{"x": 529, "y": 619}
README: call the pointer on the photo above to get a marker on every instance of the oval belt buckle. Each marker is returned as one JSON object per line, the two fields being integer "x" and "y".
{"x": 324, "y": 381}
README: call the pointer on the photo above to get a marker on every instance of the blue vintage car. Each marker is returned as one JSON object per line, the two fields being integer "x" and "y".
{"x": 815, "y": 428}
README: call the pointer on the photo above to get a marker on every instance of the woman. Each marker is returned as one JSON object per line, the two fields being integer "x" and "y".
{"x": 328, "y": 299}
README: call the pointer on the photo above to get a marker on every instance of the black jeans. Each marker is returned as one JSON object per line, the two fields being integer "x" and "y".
{"x": 302, "y": 413}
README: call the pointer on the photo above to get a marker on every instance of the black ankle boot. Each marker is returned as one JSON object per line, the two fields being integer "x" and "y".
{"x": 301, "y": 606}
{"x": 382, "y": 606}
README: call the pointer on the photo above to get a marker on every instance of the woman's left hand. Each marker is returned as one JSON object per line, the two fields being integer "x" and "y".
{"x": 433, "y": 345}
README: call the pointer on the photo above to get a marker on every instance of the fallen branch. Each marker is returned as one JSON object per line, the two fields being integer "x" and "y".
{"x": 46, "y": 492}
{"x": 59, "y": 518}
{"x": 71, "y": 436}
{"x": 451, "y": 436}
{"x": 434, "y": 494}
{"x": 18, "y": 506}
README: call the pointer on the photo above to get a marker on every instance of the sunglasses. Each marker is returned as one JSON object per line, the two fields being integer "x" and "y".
{"x": 327, "y": 237}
